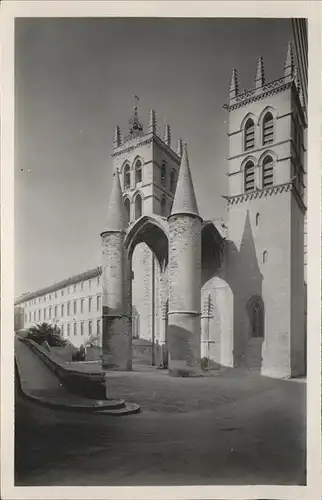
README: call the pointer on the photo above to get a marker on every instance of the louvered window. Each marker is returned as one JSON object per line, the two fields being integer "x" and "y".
{"x": 268, "y": 171}
{"x": 249, "y": 177}
{"x": 268, "y": 129}
{"x": 249, "y": 135}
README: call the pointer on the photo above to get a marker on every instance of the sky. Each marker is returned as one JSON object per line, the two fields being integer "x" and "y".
{"x": 75, "y": 80}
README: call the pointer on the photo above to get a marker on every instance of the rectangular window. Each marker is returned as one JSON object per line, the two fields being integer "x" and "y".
{"x": 82, "y": 328}
{"x": 74, "y": 288}
{"x": 39, "y": 315}
{"x": 98, "y": 327}
{"x": 62, "y": 329}
{"x": 62, "y": 293}
{"x": 45, "y": 314}
{"x": 45, "y": 298}
{"x": 89, "y": 304}
{"x": 68, "y": 290}
{"x": 82, "y": 285}
{"x": 90, "y": 328}
{"x": 82, "y": 305}
{"x": 98, "y": 300}
{"x": 55, "y": 295}
{"x": 26, "y": 317}
{"x": 55, "y": 311}
{"x": 34, "y": 315}
{"x": 68, "y": 329}
{"x": 50, "y": 313}
{"x": 62, "y": 310}
{"x": 30, "y": 316}
{"x": 68, "y": 308}
{"x": 75, "y": 329}
{"x": 75, "y": 306}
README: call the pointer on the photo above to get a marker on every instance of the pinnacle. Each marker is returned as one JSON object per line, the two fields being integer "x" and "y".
{"x": 234, "y": 86}
{"x": 289, "y": 63}
{"x": 185, "y": 199}
{"x": 116, "y": 216}
{"x": 260, "y": 77}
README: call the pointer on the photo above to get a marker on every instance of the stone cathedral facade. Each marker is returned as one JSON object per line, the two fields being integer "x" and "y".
{"x": 232, "y": 293}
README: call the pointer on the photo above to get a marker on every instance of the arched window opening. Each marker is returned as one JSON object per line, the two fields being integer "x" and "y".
{"x": 163, "y": 174}
{"x": 138, "y": 171}
{"x": 127, "y": 177}
{"x": 249, "y": 177}
{"x": 127, "y": 209}
{"x": 257, "y": 218}
{"x": 268, "y": 129}
{"x": 172, "y": 181}
{"x": 249, "y": 135}
{"x": 163, "y": 207}
{"x": 265, "y": 257}
{"x": 138, "y": 206}
{"x": 268, "y": 167}
{"x": 256, "y": 317}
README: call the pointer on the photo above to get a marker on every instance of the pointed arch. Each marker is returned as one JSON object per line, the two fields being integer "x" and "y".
{"x": 249, "y": 134}
{"x": 249, "y": 176}
{"x": 267, "y": 171}
{"x": 267, "y": 124}
{"x": 138, "y": 202}
{"x": 138, "y": 169}
{"x": 127, "y": 205}
{"x": 126, "y": 176}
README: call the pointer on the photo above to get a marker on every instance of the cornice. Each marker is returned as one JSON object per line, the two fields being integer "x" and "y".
{"x": 253, "y": 95}
{"x": 148, "y": 139}
{"x": 264, "y": 193}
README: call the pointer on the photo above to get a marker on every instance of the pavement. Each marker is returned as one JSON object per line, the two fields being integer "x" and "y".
{"x": 230, "y": 428}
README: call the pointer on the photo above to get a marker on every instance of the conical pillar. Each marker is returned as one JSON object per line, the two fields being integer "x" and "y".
{"x": 184, "y": 325}
{"x": 116, "y": 287}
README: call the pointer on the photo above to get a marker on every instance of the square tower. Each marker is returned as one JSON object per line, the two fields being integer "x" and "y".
{"x": 266, "y": 167}
{"x": 148, "y": 168}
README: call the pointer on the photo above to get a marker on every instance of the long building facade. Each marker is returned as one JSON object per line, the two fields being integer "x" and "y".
{"x": 230, "y": 292}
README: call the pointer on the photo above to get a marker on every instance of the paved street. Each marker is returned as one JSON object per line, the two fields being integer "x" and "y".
{"x": 230, "y": 428}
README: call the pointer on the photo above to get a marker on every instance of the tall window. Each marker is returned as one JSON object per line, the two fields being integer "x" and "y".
{"x": 256, "y": 316}
{"x": 249, "y": 177}
{"x": 268, "y": 129}
{"x": 74, "y": 288}
{"x": 62, "y": 329}
{"x": 68, "y": 329}
{"x": 90, "y": 328}
{"x": 75, "y": 306}
{"x": 82, "y": 285}
{"x": 82, "y": 328}
{"x": 89, "y": 304}
{"x": 163, "y": 207}
{"x": 268, "y": 167}
{"x": 50, "y": 313}
{"x": 68, "y": 308}
{"x": 138, "y": 206}
{"x": 44, "y": 314}
{"x": 39, "y": 315}
{"x": 34, "y": 315}
{"x": 172, "y": 181}
{"x": 249, "y": 135}
{"x": 98, "y": 327}
{"x": 55, "y": 313}
{"x": 127, "y": 177}
{"x": 82, "y": 305}
{"x": 98, "y": 302}
{"x": 163, "y": 174}
{"x": 89, "y": 284}
{"x": 62, "y": 310}
{"x": 138, "y": 171}
{"x": 75, "y": 328}
{"x": 127, "y": 209}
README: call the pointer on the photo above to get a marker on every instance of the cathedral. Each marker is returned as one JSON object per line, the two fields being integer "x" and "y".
{"x": 230, "y": 293}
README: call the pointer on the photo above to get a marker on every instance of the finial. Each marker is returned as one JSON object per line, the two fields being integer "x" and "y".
{"x": 260, "y": 77}
{"x": 152, "y": 122}
{"x": 180, "y": 148}
{"x": 135, "y": 126}
{"x": 117, "y": 137}
{"x": 167, "y": 135}
{"x": 289, "y": 62}
{"x": 234, "y": 86}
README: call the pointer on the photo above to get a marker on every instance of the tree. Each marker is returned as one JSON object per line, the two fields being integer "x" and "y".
{"x": 45, "y": 332}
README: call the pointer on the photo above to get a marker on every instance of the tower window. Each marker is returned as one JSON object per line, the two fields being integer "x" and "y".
{"x": 257, "y": 219}
{"x": 138, "y": 171}
{"x": 249, "y": 135}
{"x": 163, "y": 174}
{"x": 268, "y": 170}
{"x": 249, "y": 177}
{"x": 138, "y": 206}
{"x": 256, "y": 317}
{"x": 127, "y": 209}
{"x": 265, "y": 257}
{"x": 268, "y": 129}
{"x": 163, "y": 206}
{"x": 127, "y": 177}
{"x": 172, "y": 181}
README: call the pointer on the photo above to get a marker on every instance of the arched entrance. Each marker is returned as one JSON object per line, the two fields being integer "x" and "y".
{"x": 147, "y": 249}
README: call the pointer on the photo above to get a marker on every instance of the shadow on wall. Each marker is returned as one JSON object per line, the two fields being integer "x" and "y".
{"x": 239, "y": 269}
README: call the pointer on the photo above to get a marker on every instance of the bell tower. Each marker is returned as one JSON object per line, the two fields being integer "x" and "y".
{"x": 266, "y": 220}
{"x": 147, "y": 165}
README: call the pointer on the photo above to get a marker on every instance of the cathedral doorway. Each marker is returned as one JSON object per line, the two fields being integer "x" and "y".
{"x": 147, "y": 248}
